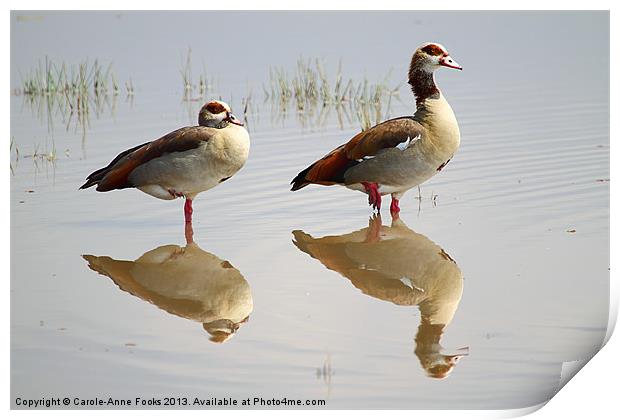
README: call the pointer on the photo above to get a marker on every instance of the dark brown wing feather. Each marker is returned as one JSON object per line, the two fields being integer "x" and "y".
{"x": 331, "y": 168}
{"x": 114, "y": 176}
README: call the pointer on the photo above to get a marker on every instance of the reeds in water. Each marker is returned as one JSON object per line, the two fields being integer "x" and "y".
{"x": 71, "y": 91}
{"x": 74, "y": 82}
{"x": 312, "y": 93}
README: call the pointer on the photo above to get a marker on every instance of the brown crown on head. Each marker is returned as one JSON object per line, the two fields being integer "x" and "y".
{"x": 433, "y": 49}
{"x": 215, "y": 107}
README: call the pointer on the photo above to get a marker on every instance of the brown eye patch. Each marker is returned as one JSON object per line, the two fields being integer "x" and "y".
{"x": 432, "y": 49}
{"x": 215, "y": 107}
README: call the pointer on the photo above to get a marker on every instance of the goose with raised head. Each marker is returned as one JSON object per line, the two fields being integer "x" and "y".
{"x": 399, "y": 154}
{"x": 182, "y": 163}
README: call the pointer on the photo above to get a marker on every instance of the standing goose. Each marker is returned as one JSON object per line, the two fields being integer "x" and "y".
{"x": 399, "y": 154}
{"x": 182, "y": 163}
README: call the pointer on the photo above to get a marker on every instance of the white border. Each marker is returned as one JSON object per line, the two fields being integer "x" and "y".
{"x": 592, "y": 394}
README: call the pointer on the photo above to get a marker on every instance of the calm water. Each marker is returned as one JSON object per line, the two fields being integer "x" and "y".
{"x": 484, "y": 271}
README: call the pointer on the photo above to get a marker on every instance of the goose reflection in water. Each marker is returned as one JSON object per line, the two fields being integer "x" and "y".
{"x": 187, "y": 282}
{"x": 395, "y": 264}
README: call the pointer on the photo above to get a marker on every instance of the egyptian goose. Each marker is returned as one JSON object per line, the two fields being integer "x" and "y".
{"x": 187, "y": 282}
{"x": 395, "y": 264}
{"x": 182, "y": 163}
{"x": 399, "y": 154}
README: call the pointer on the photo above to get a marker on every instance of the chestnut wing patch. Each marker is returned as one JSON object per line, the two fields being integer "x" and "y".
{"x": 114, "y": 176}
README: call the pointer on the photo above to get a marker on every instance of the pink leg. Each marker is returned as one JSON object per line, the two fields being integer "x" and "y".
{"x": 394, "y": 209}
{"x": 374, "y": 197}
{"x": 188, "y": 210}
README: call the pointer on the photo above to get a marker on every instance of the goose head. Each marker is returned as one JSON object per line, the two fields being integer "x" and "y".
{"x": 439, "y": 366}
{"x": 217, "y": 114}
{"x": 221, "y": 330}
{"x": 426, "y": 59}
{"x": 431, "y": 56}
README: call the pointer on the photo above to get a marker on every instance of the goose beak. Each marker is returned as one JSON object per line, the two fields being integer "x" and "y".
{"x": 233, "y": 120}
{"x": 447, "y": 61}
